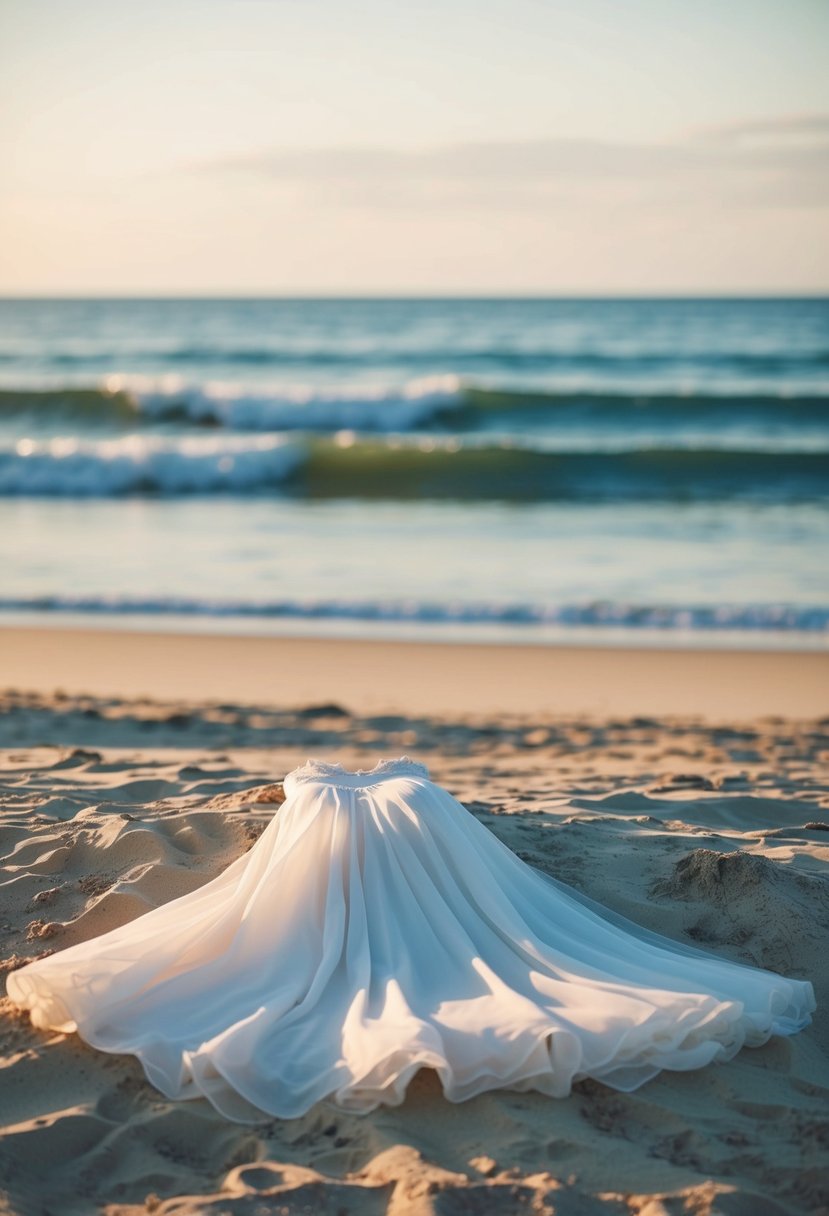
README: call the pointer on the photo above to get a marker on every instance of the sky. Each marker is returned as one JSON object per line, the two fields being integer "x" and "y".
{"x": 414, "y": 146}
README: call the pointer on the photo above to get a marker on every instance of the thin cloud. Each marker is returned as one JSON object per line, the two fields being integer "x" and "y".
{"x": 780, "y": 161}
{"x": 470, "y": 161}
{"x": 788, "y": 129}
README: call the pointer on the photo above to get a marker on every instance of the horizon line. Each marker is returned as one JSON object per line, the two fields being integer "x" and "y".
{"x": 734, "y": 294}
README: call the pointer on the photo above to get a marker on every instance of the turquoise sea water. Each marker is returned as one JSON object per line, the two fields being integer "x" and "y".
{"x": 505, "y": 469}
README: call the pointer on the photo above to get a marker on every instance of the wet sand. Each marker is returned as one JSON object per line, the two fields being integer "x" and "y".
{"x": 417, "y": 677}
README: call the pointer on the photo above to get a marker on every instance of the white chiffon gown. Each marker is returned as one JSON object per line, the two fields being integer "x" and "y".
{"x": 377, "y": 928}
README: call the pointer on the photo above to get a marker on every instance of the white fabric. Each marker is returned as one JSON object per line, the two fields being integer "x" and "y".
{"x": 377, "y": 928}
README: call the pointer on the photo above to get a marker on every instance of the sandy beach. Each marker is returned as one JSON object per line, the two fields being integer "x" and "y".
{"x": 444, "y": 385}
{"x": 705, "y": 819}
{"x": 422, "y": 677}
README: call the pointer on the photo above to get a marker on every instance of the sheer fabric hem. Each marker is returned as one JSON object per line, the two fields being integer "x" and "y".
{"x": 549, "y": 1059}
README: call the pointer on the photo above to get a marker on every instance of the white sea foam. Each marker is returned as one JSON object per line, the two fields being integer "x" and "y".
{"x": 374, "y": 408}
{"x": 601, "y": 615}
{"x": 146, "y": 463}
{"x": 396, "y": 467}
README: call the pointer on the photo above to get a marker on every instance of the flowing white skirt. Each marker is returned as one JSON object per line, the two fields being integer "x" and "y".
{"x": 377, "y": 928}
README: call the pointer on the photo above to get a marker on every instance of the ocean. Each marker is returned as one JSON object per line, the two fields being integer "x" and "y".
{"x": 494, "y": 469}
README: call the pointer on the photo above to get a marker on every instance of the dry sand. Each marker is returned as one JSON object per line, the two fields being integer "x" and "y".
{"x": 711, "y": 830}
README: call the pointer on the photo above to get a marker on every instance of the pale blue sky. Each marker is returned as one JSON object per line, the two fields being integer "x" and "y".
{"x": 464, "y": 145}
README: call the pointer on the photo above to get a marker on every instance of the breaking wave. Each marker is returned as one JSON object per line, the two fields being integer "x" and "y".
{"x": 443, "y": 402}
{"x": 403, "y": 469}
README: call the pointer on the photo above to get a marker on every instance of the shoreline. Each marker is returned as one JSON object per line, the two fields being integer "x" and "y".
{"x": 437, "y": 678}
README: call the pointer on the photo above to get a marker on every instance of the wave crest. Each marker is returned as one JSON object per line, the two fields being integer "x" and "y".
{"x": 403, "y": 469}
{"x": 146, "y": 464}
{"x": 444, "y": 402}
